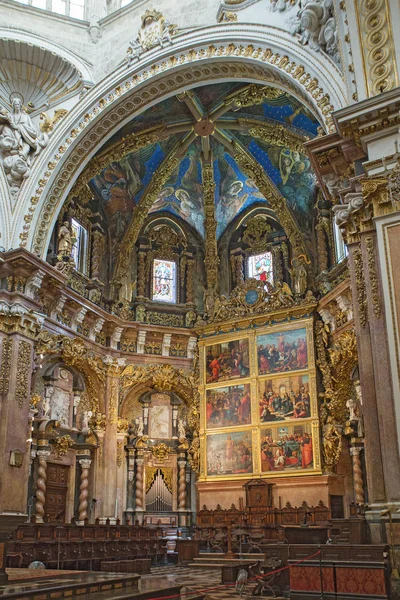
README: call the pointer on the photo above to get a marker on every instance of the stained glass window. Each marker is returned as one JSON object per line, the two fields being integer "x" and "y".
{"x": 79, "y": 235}
{"x": 259, "y": 266}
{"x": 164, "y": 280}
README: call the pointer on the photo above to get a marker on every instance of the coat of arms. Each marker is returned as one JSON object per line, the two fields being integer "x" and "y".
{"x": 155, "y": 30}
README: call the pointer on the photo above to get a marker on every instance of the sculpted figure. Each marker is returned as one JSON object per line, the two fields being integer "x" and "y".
{"x": 194, "y": 454}
{"x": 140, "y": 427}
{"x": 65, "y": 242}
{"x": 316, "y": 24}
{"x": 20, "y": 140}
{"x": 181, "y": 429}
{"x": 299, "y": 276}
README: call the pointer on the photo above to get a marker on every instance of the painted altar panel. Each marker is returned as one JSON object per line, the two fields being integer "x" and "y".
{"x": 229, "y": 453}
{"x": 228, "y": 406}
{"x": 256, "y": 420}
{"x": 227, "y": 360}
{"x": 287, "y": 447}
{"x": 282, "y": 351}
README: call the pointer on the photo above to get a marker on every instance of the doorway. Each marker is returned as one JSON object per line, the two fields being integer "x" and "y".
{"x": 56, "y": 493}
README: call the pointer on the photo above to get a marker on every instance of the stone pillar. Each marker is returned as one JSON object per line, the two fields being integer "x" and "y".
{"x": 357, "y": 474}
{"x": 139, "y": 486}
{"x": 16, "y": 365}
{"x": 130, "y": 488}
{"x": 189, "y": 281}
{"x": 42, "y": 455}
{"x": 83, "y": 488}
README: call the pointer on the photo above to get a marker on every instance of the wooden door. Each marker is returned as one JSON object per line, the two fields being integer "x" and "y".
{"x": 56, "y": 492}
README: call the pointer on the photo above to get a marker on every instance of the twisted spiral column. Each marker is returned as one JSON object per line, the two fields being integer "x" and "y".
{"x": 182, "y": 485}
{"x": 41, "y": 484}
{"x": 139, "y": 484}
{"x": 83, "y": 488}
{"x": 357, "y": 474}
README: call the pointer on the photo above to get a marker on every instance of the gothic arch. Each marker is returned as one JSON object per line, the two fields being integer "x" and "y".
{"x": 253, "y": 54}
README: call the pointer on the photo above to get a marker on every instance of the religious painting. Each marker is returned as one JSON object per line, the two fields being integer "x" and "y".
{"x": 287, "y": 448}
{"x": 159, "y": 422}
{"x": 282, "y": 351}
{"x": 227, "y": 360}
{"x": 228, "y": 406}
{"x": 60, "y": 406}
{"x": 229, "y": 453}
{"x": 164, "y": 280}
{"x": 285, "y": 397}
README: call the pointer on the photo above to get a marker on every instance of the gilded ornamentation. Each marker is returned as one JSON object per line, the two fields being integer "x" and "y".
{"x": 98, "y": 422}
{"x": 122, "y": 425}
{"x": 160, "y": 451}
{"x": 23, "y": 370}
{"x": 155, "y": 30}
{"x": 194, "y": 454}
{"x": 360, "y": 287}
{"x": 211, "y": 259}
{"x": 156, "y": 318}
{"x": 167, "y": 473}
{"x": 5, "y": 365}
{"x": 332, "y": 445}
{"x": 256, "y": 233}
{"x": 370, "y": 247}
{"x": 278, "y": 135}
{"x": 61, "y": 445}
{"x": 253, "y": 94}
{"x": 393, "y": 184}
{"x": 120, "y": 452}
{"x": 47, "y": 123}
{"x": 113, "y": 401}
{"x": 376, "y": 42}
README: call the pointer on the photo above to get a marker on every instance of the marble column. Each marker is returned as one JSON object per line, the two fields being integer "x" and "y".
{"x": 84, "y": 463}
{"x": 42, "y": 455}
{"x": 139, "y": 486}
{"x": 182, "y": 490}
{"x": 130, "y": 487}
{"x": 357, "y": 474}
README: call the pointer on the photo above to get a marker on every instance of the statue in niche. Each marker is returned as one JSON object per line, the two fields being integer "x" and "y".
{"x": 181, "y": 430}
{"x": 20, "y": 140}
{"x": 351, "y": 404}
{"x": 140, "y": 428}
{"x": 299, "y": 275}
{"x": 65, "y": 240}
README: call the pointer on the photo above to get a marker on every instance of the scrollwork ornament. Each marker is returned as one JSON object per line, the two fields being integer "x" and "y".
{"x": 5, "y": 365}
{"x": 360, "y": 287}
{"x": 61, "y": 445}
{"x": 160, "y": 452}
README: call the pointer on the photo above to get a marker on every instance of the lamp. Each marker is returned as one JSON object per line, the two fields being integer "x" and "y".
{"x": 384, "y": 513}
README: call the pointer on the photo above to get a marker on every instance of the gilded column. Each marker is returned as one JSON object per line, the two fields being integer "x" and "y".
{"x": 97, "y": 253}
{"x": 41, "y": 483}
{"x": 211, "y": 259}
{"x": 182, "y": 484}
{"x": 357, "y": 474}
{"x": 84, "y": 463}
{"x": 141, "y": 275}
{"x": 139, "y": 501}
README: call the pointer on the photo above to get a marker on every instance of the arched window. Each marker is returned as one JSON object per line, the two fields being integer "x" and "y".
{"x": 79, "y": 249}
{"x": 259, "y": 266}
{"x": 164, "y": 280}
{"x": 69, "y": 8}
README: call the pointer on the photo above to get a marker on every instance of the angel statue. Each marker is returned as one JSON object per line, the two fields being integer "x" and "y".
{"x": 181, "y": 429}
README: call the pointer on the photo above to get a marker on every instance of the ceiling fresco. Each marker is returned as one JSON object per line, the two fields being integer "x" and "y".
{"x": 121, "y": 185}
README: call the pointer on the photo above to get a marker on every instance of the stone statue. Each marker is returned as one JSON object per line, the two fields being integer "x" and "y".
{"x": 140, "y": 428}
{"x": 299, "y": 275}
{"x": 65, "y": 241}
{"x": 20, "y": 140}
{"x": 181, "y": 429}
{"x": 316, "y": 24}
{"x": 351, "y": 404}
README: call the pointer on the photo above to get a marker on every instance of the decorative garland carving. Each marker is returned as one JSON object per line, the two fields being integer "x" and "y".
{"x": 278, "y": 135}
{"x": 113, "y": 401}
{"x": 255, "y": 234}
{"x": 336, "y": 365}
{"x": 252, "y": 95}
{"x": 370, "y": 247}
{"x": 120, "y": 452}
{"x": 23, "y": 370}
{"x": 139, "y": 100}
{"x": 360, "y": 287}
{"x": 5, "y": 365}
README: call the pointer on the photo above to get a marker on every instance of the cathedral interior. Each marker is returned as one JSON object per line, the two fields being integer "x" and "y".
{"x": 199, "y": 306}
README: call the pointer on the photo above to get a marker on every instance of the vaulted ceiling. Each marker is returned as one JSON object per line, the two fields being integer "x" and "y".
{"x": 209, "y": 124}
